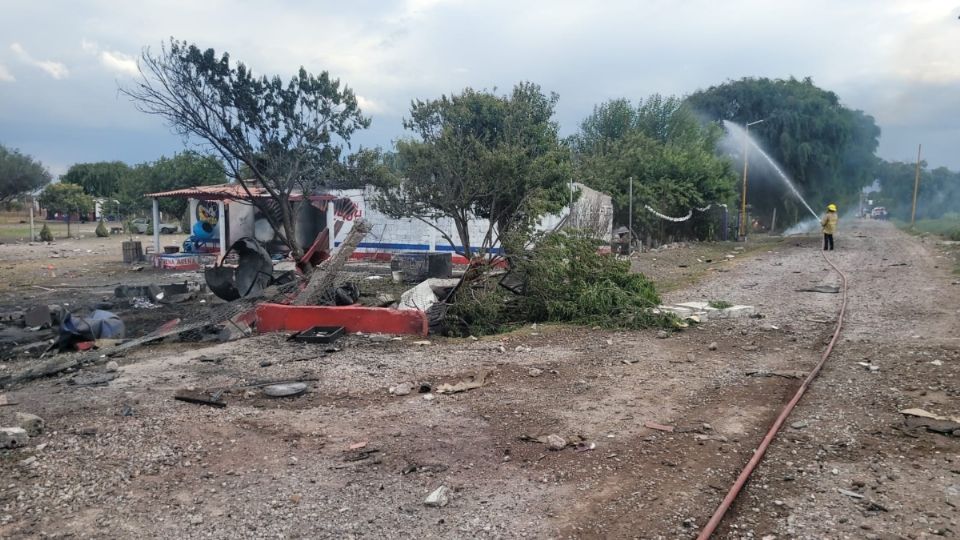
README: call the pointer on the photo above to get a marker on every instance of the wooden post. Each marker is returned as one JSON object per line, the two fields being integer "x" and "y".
{"x": 916, "y": 187}
{"x": 331, "y": 221}
{"x": 630, "y": 220}
{"x": 33, "y": 234}
{"x": 773, "y": 222}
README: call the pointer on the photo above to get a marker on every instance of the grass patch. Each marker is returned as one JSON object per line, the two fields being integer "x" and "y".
{"x": 947, "y": 226}
{"x": 719, "y": 304}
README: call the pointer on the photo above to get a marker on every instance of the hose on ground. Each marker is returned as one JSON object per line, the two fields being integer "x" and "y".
{"x": 731, "y": 496}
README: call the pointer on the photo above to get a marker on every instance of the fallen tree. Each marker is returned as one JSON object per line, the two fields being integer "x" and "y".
{"x": 564, "y": 278}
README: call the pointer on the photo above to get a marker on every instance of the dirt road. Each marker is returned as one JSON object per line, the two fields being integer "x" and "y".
{"x": 126, "y": 460}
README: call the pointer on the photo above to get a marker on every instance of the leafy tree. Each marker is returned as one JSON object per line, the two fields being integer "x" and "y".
{"x": 100, "y": 179}
{"x": 284, "y": 134}
{"x": 939, "y": 192}
{"x": 67, "y": 199}
{"x": 183, "y": 170}
{"x": 481, "y": 155}
{"x": 826, "y": 148}
{"x": 19, "y": 174}
{"x": 670, "y": 155}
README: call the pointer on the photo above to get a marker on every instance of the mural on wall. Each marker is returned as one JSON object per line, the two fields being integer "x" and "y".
{"x": 346, "y": 209}
{"x": 208, "y": 212}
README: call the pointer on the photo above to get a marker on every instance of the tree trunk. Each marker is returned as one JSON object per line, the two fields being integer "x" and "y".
{"x": 290, "y": 228}
{"x": 463, "y": 230}
{"x": 68, "y": 225}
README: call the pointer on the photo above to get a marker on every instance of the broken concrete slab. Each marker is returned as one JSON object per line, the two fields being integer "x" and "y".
{"x": 424, "y": 295}
{"x": 438, "y": 498}
{"x": 13, "y": 437}
{"x": 30, "y": 423}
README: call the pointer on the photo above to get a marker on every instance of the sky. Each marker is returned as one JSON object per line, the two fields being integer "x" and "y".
{"x": 62, "y": 62}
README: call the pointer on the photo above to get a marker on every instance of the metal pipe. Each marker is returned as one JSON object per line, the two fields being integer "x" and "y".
{"x": 916, "y": 187}
{"x": 721, "y": 510}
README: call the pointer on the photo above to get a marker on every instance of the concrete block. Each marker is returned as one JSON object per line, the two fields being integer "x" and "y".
{"x": 13, "y": 437}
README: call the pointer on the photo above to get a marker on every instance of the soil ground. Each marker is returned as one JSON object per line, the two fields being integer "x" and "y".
{"x": 126, "y": 460}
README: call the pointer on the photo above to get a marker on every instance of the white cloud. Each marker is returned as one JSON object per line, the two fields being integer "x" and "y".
{"x": 112, "y": 60}
{"x": 5, "y": 75}
{"x": 56, "y": 70}
{"x": 369, "y": 106}
{"x": 119, "y": 62}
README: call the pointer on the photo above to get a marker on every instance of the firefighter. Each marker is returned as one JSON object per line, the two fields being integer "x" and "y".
{"x": 829, "y": 224}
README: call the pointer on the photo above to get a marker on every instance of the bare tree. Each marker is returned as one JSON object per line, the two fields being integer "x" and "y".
{"x": 277, "y": 136}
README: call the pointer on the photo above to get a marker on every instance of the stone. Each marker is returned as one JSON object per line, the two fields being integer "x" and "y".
{"x": 285, "y": 390}
{"x": 663, "y": 334}
{"x": 556, "y": 442}
{"x": 37, "y": 316}
{"x": 535, "y": 372}
{"x": 402, "y": 389}
{"x": 112, "y": 366}
{"x": 30, "y": 423}
{"x": 440, "y": 497}
{"x": 798, "y": 425}
{"x": 13, "y": 437}
{"x": 712, "y": 346}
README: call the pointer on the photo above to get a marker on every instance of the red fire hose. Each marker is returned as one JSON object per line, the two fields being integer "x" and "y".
{"x": 721, "y": 510}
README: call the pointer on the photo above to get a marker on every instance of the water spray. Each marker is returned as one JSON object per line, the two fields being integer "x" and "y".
{"x": 738, "y": 131}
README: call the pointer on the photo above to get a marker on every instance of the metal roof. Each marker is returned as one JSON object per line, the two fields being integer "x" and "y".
{"x": 222, "y": 192}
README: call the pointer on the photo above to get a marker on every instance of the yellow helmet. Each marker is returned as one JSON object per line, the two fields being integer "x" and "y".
{"x": 832, "y": 207}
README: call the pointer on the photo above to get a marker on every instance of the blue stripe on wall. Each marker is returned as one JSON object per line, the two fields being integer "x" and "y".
{"x": 414, "y": 247}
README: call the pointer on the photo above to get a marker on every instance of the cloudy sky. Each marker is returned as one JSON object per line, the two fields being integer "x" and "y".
{"x": 61, "y": 61}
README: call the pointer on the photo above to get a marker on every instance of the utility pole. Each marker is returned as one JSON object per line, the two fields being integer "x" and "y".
{"x": 916, "y": 187}
{"x": 630, "y": 219}
{"x": 33, "y": 235}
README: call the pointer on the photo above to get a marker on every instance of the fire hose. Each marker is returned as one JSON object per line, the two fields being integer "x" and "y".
{"x": 731, "y": 496}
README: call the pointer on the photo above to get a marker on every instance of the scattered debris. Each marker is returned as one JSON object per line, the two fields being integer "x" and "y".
{"x": 92, "y": 379}
{"x": 319, "y": 334}
{"x": 438, "y": 498}
{"x": 253, "y": 273}
{"x": 535, "y": 372}
{"x": 799, "y": 424}
{"x": 285, "y": 390}
{"x": 5, "y": 401}
{"x": 849, "y": 493}
{"x": 359, "y": 454}
{"x": 585, "y": 446}
{"x": 660, "y": 427}
{"x": 422, "y": 342}
{"x": 915, "y": 418}
{"x": 471, "y": 382}
{"x": 828, "y": 289}
{"x": 358, "y": 445}
{"x": 13, "y": 437}
{"x": 112, "y": 366}
{"x": 556, "y": 442}
{"x": 784, "y": 374}
{"x": 712, "y": 346}
{"x": 200, "y": 398}
{"x": 30, "y": 423}
{"x": 401, "y": 389}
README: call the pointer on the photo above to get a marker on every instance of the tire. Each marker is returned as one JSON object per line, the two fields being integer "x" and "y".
{"x": 166, "y": 230}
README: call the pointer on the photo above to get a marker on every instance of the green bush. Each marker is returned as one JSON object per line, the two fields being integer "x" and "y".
{"x": 955, "y": 235}
{"x": 719, "y": 304}
{"x": 101, "y": 230}
{"x": 45, "y": 234}
{"x": 564, "y": 279}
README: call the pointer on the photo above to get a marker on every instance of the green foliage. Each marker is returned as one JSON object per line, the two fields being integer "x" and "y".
{"x": 565, "y": 279}
{"x": 825, "y": 147}
{"x": 183, "y": 170}
{"x": 669, "y": 154}
{"x": 480, "y": 155}
{"x": 719, "y": 304}
{"x": 67, "y": 199}
{"x": 100, "y": 179}
{"x": 101, "y": 230}
{"x": 45, "y": 234}
{"x": 938, "y": 195}
{"x": 20, "y": 174}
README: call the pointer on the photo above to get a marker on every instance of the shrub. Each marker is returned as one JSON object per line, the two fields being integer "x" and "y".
{"x": 719, "y": 304}
{"x": 955, "y": 235}
{"x": 102, "y": 231}
{"x": 45, "y": 234}
{"x": 563, "y": 279}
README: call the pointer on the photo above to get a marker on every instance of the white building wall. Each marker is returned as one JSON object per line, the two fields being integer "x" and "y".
{"x": 390, "y": 235}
